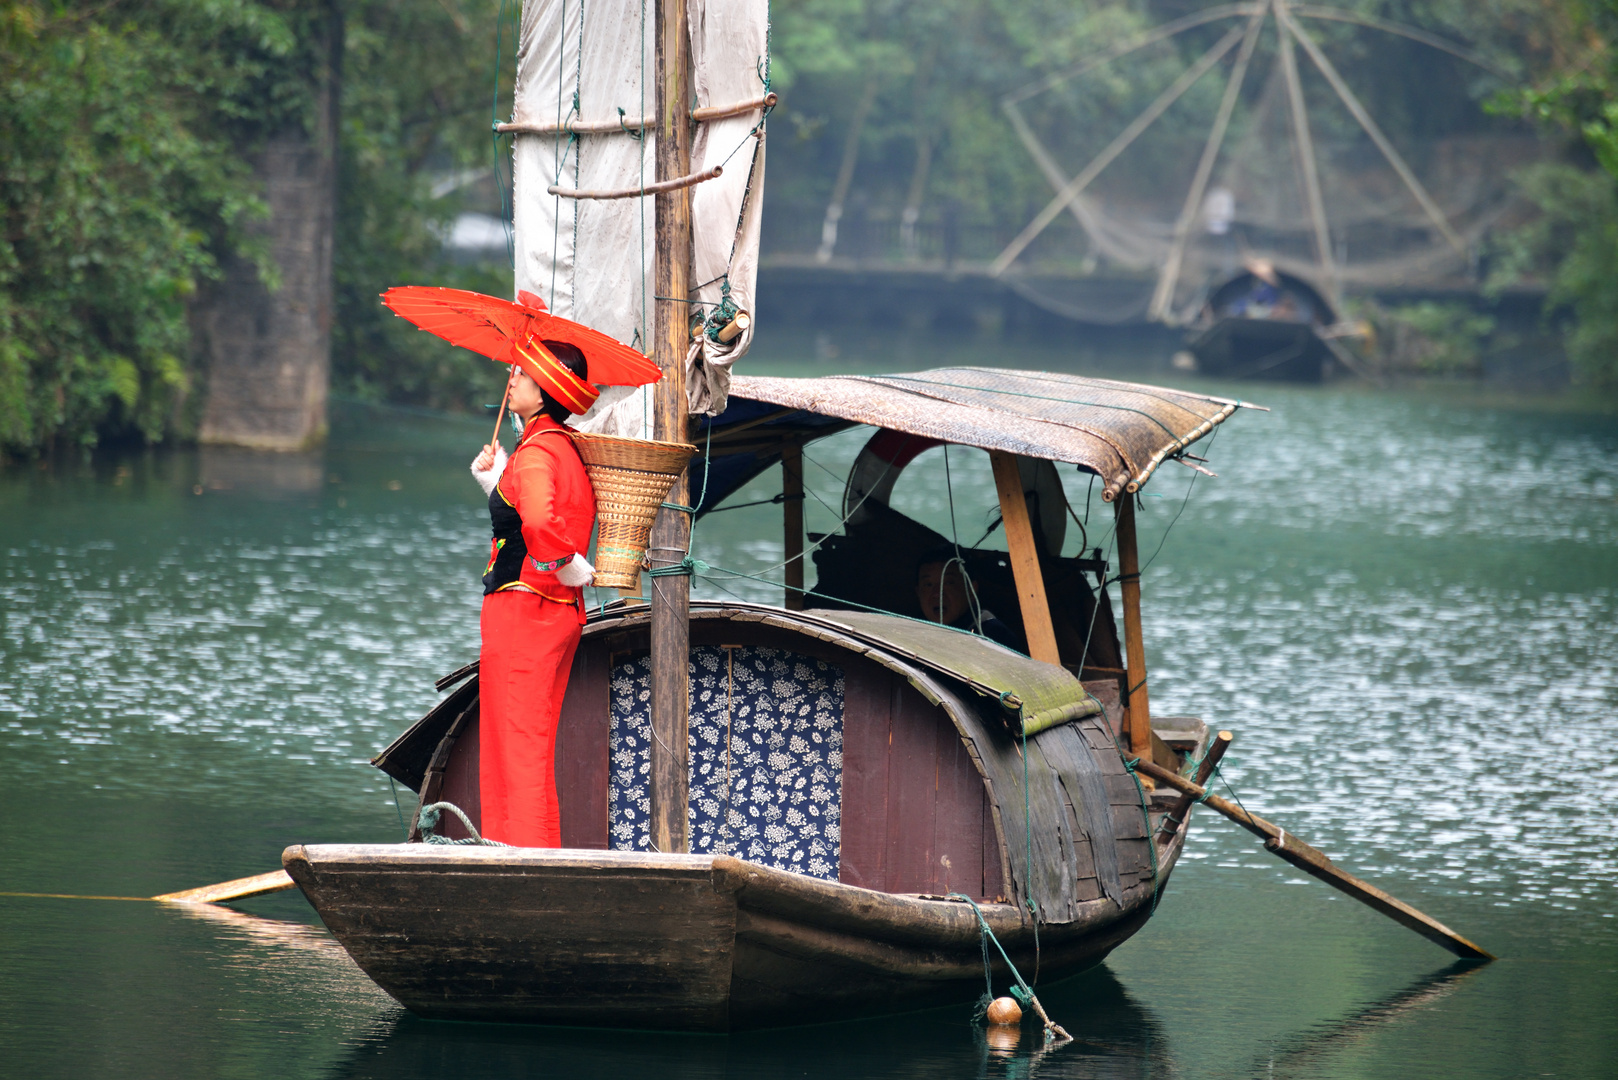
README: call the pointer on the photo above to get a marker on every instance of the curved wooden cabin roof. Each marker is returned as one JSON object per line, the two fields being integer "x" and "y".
{"x": 1120, "y": 431}
{"x": 933, "y": 763}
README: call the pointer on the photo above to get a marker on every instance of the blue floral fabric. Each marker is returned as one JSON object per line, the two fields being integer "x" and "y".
{"x": 766, "y": 758}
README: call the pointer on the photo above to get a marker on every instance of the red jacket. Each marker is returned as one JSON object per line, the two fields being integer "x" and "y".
{"x": 545, "y": 483}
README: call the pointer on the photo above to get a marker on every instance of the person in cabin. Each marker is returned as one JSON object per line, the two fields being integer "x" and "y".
{"x": 948, "y": 595}
{"x": 542, "y": 509}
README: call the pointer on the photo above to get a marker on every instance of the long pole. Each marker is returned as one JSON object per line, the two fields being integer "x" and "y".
{"x": 1163, "y": 297}
{"x": 1076, "y": 186}
{"x": 671, "y": 534}
{"x": 1313, "y": 862}
{"x": 1305, "y": 143}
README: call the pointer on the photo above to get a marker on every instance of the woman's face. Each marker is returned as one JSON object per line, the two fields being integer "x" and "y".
{"x": 526, "y": 398}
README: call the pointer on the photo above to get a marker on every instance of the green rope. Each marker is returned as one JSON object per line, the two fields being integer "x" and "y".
{"x": 1151, "y": 839}
{"x": 986, "y": 933}
{"x": 429, "y": 820}
{"x": 397, "y": 809}
{"x": 1021, "y": 990}
{"x": 686, "y": 567}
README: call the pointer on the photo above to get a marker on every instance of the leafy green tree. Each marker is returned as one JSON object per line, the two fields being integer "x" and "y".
{"x": 1573, "y": 245}
{"x": 119, "y": 186}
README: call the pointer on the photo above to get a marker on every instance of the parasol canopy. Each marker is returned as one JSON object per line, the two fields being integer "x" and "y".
{"x": 496, "y": 328}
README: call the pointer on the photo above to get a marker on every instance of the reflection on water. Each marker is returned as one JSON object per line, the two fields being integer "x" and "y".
{"x": 1115, "y": 1039}
{"x": 1404, "y": 609}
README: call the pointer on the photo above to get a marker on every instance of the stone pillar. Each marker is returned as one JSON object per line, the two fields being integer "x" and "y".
{"x": 268, "y": 352}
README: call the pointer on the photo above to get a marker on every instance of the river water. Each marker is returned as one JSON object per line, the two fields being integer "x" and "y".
{"x": 1404, "y": 604}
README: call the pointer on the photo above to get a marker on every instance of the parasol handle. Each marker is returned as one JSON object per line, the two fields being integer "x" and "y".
{"x": 500, "y": 414}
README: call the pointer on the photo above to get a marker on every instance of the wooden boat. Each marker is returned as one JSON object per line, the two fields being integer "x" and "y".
{"x": 1285, "y": 339}
{"x": 852, "y": 776}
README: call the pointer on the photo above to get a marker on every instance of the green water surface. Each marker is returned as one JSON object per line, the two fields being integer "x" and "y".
{"x": 1404, "y": 604}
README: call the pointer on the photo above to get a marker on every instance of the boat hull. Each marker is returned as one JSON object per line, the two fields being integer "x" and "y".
{"x": 666, "y": 942}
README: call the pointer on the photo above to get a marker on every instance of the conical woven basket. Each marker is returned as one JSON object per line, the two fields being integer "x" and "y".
{"x": 631, "y": 478}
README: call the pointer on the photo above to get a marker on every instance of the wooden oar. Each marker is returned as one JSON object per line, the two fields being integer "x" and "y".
{"x": 1314, "y": 863}
{"x": 239, "y": 889}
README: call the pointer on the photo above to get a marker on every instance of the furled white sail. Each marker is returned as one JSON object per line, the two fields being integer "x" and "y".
{"x": 590, "y": 66}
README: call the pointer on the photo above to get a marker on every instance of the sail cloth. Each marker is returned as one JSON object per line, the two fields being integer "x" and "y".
{"x": 594, "y": 260}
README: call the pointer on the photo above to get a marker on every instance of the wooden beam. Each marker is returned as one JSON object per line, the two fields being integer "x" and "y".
{"x": 1163, "y": 297}
{"x": 1076, "y": 186}
{"x": 1137, "y": 706}
{"x": 792, "y": 522}
{"x": 671, "y": 534}
{"x": 1314, "y": 862}
{"x": 239, "y": 889}
{"x": 1210, "y": 760}
{"x": 1036, "y": 610}
{"x": 1305, "y": 142}
{"x": 1364, "y": 118}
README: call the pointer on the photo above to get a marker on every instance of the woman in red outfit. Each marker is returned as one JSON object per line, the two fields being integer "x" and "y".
{"x": 543, "y": 510}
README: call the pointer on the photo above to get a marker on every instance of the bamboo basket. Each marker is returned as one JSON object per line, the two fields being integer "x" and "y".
{"x": 631, "y": 478}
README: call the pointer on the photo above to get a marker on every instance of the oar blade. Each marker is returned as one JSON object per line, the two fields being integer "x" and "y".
{"x": 239, "y": 889}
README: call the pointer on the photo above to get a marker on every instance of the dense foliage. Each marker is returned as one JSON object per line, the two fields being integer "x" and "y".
{"x": 1573, "y": 245}
{"x": 120, "y": 183}
{"x": 127, "y": 131}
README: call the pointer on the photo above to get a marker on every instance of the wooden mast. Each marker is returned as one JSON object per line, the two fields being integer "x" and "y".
{"x": 671, "y": 534}
{"x": 1137, "y": 708}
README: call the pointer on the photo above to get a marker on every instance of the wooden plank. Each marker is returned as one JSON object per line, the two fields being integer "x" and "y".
{"x": 1112, "y": 703}
{"x": 565, "y": 937}
{"x": 1024, "y": 558}
{"x": 957, "y": 818}
{"x": 867, "y": 718}
{"x": 582, "y": 739}
{"x": 1137, "y": 705}
{"x": 912, "y": 791}
{"x": 994, "y": 877}
{"x": 1314, "y": 863}
{"x": 792, "y": 523}
{"x": 461, "y": 783}
{"x": 671, "y": 533}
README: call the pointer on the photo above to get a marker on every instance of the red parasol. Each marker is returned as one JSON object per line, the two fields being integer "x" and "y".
{"x": 495, "y": 327}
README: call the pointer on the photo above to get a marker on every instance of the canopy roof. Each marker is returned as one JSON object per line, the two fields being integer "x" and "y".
{"x": 1119, "y": 431}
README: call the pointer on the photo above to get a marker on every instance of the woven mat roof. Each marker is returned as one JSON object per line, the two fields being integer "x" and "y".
{"x": 1120, "y": 431}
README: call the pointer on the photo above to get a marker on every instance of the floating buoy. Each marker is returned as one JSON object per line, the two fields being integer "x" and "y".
{"x": 1004, "y": 1010}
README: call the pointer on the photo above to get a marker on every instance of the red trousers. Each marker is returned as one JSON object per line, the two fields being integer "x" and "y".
{"x": 528, "y": 646}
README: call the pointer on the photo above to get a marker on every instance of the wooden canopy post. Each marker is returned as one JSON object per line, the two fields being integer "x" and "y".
{"x": 1137, "y": 707}
{"x": 671, "y": 534}
{"x": 792, "y": 523}
{"x": 1036, "y": 609}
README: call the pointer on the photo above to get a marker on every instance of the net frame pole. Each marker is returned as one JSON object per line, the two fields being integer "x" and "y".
{"x": 1163, "y": 295}
{"x": 1369, "y": 126}
{"x": 1076, "y": 186}
{"x": 1304, "y": 141}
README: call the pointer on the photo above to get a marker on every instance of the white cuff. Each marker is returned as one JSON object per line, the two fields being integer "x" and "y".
{"x": 487, "y": 480}
{"x": 577, "y": 573}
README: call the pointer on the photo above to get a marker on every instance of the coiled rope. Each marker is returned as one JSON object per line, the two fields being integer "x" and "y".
{"x": 429, "y": 821}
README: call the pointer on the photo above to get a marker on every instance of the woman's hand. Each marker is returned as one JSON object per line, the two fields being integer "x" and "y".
{"x": 488, "y": 465}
